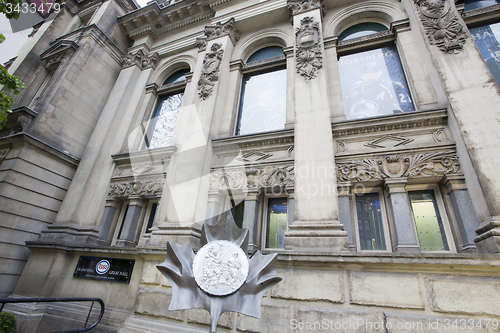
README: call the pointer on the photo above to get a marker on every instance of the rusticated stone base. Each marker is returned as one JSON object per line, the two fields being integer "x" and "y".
{"x": 317, "y": 235}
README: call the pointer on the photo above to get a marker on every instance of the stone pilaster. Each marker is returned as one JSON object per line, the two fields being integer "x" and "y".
{"x": 215, "y": 200}
{"x": 185, "y": 198}
{"x": 251, "y": 218}
{"x": 345, "y": 216}
{"x": 405, "y": 238}
{"x": 316, "y": 225}
{"x": 334, "y": 87}
{"x": 107, "y": 219}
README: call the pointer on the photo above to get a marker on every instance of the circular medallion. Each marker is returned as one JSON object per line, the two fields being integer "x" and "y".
{"x": 102, "y": 267}
{"x": 220, "y": 268}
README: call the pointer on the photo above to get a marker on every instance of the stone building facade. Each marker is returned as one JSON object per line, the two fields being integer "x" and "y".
{"x": 356, "y": 139}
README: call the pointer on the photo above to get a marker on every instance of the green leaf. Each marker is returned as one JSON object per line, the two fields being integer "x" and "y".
{"x": 2, "y": 38}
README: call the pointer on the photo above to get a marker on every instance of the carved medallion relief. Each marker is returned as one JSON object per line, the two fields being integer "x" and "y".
{"x": 210, "y": 71}
{"x": 308, "y": 48}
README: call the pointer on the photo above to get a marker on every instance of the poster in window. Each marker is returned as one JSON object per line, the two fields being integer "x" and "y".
{"x": 373, "y": 84}
{"x": 165, "y": 120}
{"x": 486, "y": 38}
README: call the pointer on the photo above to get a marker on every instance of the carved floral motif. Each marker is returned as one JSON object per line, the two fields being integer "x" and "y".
{"x": 140, "y": 59}
{"x": 218, "y": 30}
{"x": 210, "y": 71}
{"x": 411, "y": 166}
{"x": 442, "y": 25}
{"x": 135, "y": 188}
{"x": 252, "y": 178}
{"x": 300, "y": 6}
{"x": 308, "y": 48}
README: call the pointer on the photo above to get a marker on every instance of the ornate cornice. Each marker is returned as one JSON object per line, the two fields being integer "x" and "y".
{"x": 253, "y": 177}
{"x": 265, "y": 62}
{"x": 57, "y": 52}
{"x": 18, "y": 121}
{"x": 283, "y": 137}
{"x": 136, "y": 187}
{"x": 376, "y": 37}
{"x": 308, "y": 51}
{"x": 442, "y": 25}
{"x": 301, "y": 6}
{"x": 398, "y": 165}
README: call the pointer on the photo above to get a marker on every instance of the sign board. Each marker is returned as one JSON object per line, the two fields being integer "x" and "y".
{"x": 106, "y": 269}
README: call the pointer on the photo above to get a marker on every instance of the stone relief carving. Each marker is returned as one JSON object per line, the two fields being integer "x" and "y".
{"x": 210, "y": 71}
{"x": 308, "y": 48}
{"x": 140, "y": 59}
{"x": 341, "y": 147}
{"x": 377, "y": 143}
{"x": 218, "y": 30}
{"x": 291, "y": 152}
{"x": 253, "y": 156}
{"x": 300, "y": 6}
{"x": 411, "y": 166}
{"x": 438, "y": 135}
{"x": 281, "y": 176}
{"x": 441, "y": 25}
{"x": 135, "y": 188}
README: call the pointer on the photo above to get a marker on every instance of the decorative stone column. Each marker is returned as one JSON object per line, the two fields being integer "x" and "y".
{"x": 251, "y": 218}
{"x": 290, "y": 86}
{"x": 405, "y": 239}
{"x": 107, "y": 219}
{"x": 185, "y": 198}
{"x": 345, "y": 217}
{"x": 334, "y": 87}
{"x": 215, "y": 198}
{"x": 316, "y": 225}
{"x": 127, "y": 236}
{"x": 464, "y": 211}
{"x": 465, "y": 77}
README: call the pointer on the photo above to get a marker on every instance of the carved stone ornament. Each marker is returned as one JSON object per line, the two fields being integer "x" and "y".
{"x": 393, "y": 166}
{"x": 59, "y": 51}
{"x": 140, "y": 59}
{"x": 252, "y": 178}
{"x": 441, "y": 25}
{"x": 308, "y": 48}
{"x": 300, "y": 6}
{"x": 222, "y": 29}
{"x": 135, "y": 188}
{"x": 210, "y": 71}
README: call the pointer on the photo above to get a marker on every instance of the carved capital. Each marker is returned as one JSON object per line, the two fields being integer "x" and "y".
{"x": 140, "y": 59}
{"x": 301, "y": 6}
{"x": 150, "y": 61}
{"x": 253, "y": 178}
{"x": 220, "y": 30}
{"x": 136, "y": 188}
{"x": 210, "y": 71}
{"x": 442, "y": 25}
{"x": 397, "y": 166}
{"x": 308, "y": 54}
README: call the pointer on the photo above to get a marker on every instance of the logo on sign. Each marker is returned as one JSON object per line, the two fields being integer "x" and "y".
{"x": 102, "y": 267}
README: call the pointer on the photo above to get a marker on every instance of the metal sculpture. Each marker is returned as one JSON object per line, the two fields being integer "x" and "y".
{"x": 220, "y": 277}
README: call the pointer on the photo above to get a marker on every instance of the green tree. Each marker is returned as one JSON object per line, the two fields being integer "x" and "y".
{"x": 8, "y": 323}
{"x": 10, "y": 82}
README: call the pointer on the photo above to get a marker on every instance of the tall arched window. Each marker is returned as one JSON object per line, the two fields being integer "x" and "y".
{"x": 164, "y": 118}
{"x": 263, "y": 94}
{"x": 373, "y": 82}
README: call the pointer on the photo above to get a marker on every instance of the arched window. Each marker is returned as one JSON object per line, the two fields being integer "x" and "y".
{"x": 475, "y": 4}
{"x": 263, "y": 94}
{"x": 373, "y": 81}
{"x": 164, "y": 118}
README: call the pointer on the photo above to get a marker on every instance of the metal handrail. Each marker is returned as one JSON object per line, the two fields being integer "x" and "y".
{"x": 36, "y": 300}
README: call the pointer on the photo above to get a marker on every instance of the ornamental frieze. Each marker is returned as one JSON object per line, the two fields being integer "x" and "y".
{"x": 308, "y": 54}
{"x": 441, "y": 25}
{"x": 395, "y": 166}
{"x": 210, "y": 71}
{"x": 300, "y": 6}
{"x": 252, "y": 178}
{"x": 135, "y": 188}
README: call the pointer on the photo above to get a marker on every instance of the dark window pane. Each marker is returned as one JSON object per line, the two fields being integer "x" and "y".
{"x": 263, "y": 103}
{"x": 370, "y": 224}
{"x": 470, "y": 5}
{"x": 177, "y": 76}
{"x": 360, "y": 30}
{"x": 163, "y": 121}
{"x": 277, "y": 223}
{"x": 237, "y": 212}
{"x": 123, "y": 221}
{"x": 152, "y": 216}
{"x": 486, "y": 38}
{"x": 428, "y": 221}
{"x": 373, "y": 84}
{"x": 266, "y": 53}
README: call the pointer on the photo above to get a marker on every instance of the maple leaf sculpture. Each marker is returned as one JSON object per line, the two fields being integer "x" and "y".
{"x": 245, "y": 299}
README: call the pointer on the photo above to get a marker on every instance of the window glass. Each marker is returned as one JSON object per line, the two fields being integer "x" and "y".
{"x": 470, "y": 5}
{"x": 360, "y": 30}
{"x": 263, "y": 103}
{"x": 373, "y": 84}
{"x": 266, "y": 53}
{"x": 428, "y": 221}
{"x": 177, "y": 76}
{"x": 277, "y": 223}
{"x": 238, "y": 211}
{"x": 486, "y": 38}
{"x": 164, "y": 121}
{"x": 370, "y": 224}
{"x": 152, "y": 215}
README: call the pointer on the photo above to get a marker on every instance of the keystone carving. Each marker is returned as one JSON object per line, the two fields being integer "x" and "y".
{"x": 140, "y": 59}
{"x": 300, "y": 6}
{"x": 441, "y": 25}
{"x": 308, "y": 48}
{"x": 210, "y": 71}
{"x": 393, "y": 166}
{"x": 135, "y": 188}
{"x": 252, "y": 178}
